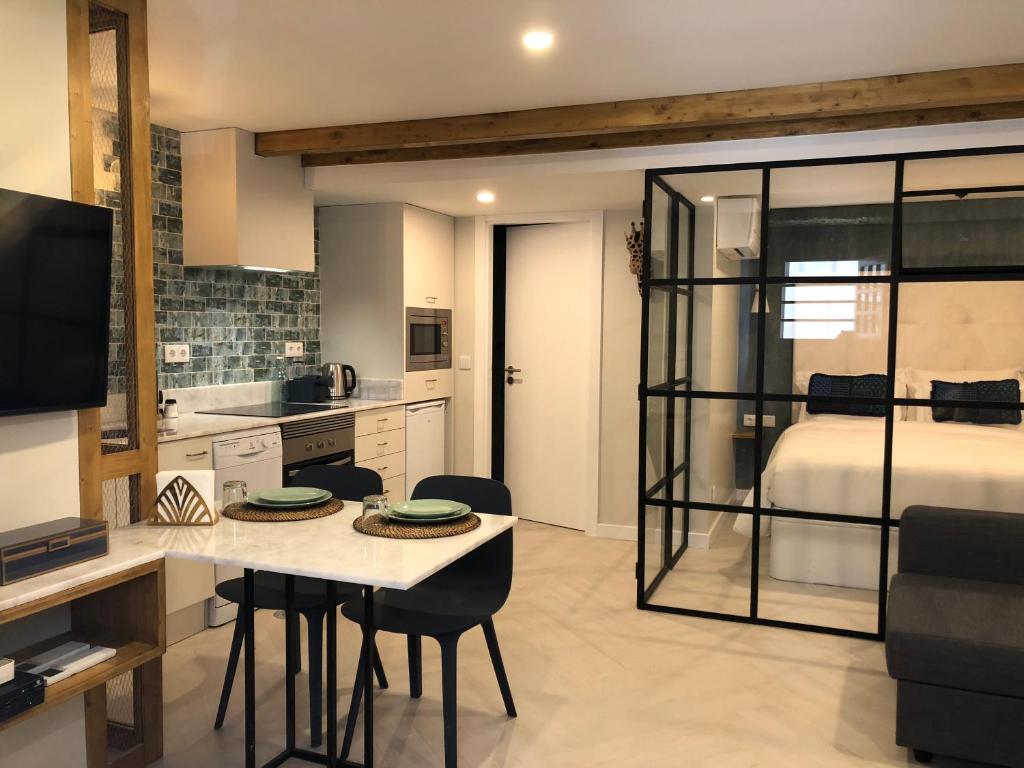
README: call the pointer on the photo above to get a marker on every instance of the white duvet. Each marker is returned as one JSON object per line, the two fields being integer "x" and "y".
{"x": 833, "y": 464}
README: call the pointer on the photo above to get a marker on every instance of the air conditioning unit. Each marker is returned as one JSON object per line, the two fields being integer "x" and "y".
{"x": 738, "y": 227}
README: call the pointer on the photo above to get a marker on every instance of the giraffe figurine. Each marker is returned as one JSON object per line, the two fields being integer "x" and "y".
{"x": 635, "y": 245}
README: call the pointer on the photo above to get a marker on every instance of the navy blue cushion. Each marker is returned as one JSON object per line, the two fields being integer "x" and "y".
{"x": 1004, "y": 391}
{"x": 827, "y": 385}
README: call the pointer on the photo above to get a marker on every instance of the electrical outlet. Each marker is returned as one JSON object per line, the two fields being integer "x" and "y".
{"x": 177, "y": 353}
{"x": 750, "y": 420}
{"x": 293, "y": 349}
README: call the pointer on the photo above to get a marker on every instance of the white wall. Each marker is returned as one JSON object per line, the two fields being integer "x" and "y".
{"x": 38, "y": 454}
{"x": 463, "y": 339}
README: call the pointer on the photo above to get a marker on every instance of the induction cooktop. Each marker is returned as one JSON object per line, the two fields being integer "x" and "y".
{"x": 274, "y": 410}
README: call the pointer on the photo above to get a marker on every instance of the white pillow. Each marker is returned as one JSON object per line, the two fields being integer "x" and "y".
{"x": 802, "y": 381}
{"x": 923, "y": 391}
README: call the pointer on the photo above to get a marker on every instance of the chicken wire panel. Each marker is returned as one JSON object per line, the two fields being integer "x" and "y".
{"x": 112, "y": 182}
{"x": 121, "y": 501}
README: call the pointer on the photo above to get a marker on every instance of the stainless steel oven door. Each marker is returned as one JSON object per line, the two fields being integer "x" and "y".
{"x": 428, "y": 338}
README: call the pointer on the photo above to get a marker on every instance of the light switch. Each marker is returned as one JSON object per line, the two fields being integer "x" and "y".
{"x": 177, "y": 353}
{"x": 465, "y": 363}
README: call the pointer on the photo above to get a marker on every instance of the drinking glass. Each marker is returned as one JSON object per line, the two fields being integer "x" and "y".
{"x": 374, "y": 505}
{"x": 234, "y": 492}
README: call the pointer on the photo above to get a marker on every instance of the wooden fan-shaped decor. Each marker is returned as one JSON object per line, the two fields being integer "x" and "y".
{"x": 179, "y": 503}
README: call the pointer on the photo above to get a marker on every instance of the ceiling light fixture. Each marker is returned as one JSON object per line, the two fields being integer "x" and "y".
{"x": 708, "y": 199}
{"x": 538, "y": 40}
{"x": 485, "y": 196}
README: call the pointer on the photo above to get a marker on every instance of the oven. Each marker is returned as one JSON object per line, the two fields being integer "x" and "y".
{"x": 321, "y": 440}
{"x": 428, "y": 338}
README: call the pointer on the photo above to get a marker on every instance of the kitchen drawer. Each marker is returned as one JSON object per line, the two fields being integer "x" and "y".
{"x": 394, "y": 489}
{"x": 380, "y": 444}
{"x": 386, "y": 466}
{"x": 380, "y": 420}
{"x": 429, "y": 385}
{"x": 193, "y": 453}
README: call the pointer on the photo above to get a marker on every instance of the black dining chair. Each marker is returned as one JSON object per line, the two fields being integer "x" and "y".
{"x": 463, "y": 595}
{"x": 310, "y": 597}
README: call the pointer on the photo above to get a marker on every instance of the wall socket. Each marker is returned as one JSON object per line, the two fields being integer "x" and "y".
{"x": 177, "y": 353}
{"x": 293, "y": 349}
{"x": 750, "y": 420}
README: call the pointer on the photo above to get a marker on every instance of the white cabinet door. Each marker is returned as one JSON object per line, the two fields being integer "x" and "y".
{"x": 429, "y": 253}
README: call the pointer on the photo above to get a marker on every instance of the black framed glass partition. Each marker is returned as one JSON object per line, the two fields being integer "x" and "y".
{"x": 811, "y": 333}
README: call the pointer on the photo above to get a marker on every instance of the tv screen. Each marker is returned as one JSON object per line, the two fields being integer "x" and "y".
{"x": 55, "y": 261}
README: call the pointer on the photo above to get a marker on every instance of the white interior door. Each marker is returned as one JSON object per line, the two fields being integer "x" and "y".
{"x": 550, "y": 421}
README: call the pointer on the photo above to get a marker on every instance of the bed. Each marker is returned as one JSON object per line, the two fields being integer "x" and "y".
{"x": 833, "y": 464}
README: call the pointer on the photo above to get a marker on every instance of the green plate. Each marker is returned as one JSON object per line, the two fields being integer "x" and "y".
{"x": 288, "y": 498}
{"x": 428, "y": 509}
{"x": 392, "y": 515}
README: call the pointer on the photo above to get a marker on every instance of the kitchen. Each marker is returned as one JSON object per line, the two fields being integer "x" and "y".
{"x": 252, "y": 307}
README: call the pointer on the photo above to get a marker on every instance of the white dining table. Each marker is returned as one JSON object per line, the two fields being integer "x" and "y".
{"x": 328, "y": 548}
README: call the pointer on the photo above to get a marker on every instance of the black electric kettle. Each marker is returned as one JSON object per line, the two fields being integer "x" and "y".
{"x": 342, "y": 378}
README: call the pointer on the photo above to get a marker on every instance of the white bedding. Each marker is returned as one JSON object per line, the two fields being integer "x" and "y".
{"x": 833, "y": 464}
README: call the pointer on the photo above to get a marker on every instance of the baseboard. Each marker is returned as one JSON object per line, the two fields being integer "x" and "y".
{"x": 628, "y": 533}
{"x": 186, "y": 622}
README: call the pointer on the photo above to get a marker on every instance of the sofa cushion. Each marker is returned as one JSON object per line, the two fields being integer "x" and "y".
{"x": 956, "y": 633}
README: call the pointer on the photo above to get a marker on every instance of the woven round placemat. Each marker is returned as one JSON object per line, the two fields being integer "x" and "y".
{"x": 253, "y": 514}
{"x": 378, "y": 525}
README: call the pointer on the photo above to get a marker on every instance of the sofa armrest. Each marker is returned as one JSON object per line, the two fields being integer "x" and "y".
{"x": 963, "y": 544}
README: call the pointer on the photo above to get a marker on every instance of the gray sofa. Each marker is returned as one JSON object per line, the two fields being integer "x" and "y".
{"x": 955, "y": 635}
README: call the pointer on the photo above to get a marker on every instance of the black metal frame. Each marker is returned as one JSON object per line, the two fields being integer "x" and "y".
{"x": 680, "y": 387}
{"x": 329, "y": 758}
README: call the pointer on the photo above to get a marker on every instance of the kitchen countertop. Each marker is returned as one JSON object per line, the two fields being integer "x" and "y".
{"x": 201, "y": 424}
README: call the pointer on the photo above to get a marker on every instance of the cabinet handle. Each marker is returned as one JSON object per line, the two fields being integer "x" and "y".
{"x": 195, "y": 455}
{"x": 383, "y": 469}
{"x": 431, "y": 381}
{"x": 382, "y": 445}
{"x": 431, "y": 299}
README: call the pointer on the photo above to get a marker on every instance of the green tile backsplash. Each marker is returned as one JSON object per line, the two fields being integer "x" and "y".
{"x": 236, "y": 322}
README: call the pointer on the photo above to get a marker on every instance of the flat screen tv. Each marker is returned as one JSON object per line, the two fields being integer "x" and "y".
{"x": 55, "y": 262}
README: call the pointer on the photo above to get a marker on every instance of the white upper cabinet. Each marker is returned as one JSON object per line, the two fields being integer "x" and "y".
{"x": 242, "y": 210}
{"x": 428, "y": 240}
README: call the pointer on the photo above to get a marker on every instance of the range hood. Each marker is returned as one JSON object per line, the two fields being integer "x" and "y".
{"x": 240, "y": 209}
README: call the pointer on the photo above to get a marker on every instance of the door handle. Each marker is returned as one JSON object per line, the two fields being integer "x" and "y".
{"x": 510, "y": 371}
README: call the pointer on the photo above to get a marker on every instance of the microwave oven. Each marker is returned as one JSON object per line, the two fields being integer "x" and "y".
{"x": 428, "y": 338}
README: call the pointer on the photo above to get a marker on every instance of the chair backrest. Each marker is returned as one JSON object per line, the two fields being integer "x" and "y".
{"x": 488, "y": 568}
{"x": 346, "y": 482}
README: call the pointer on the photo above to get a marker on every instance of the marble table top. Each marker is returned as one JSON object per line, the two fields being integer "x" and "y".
{"x": 327, "y": 548}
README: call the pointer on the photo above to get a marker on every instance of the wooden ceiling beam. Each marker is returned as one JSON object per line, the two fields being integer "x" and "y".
{"x": 731, "y": 132}
{"x": 641, "y": 121}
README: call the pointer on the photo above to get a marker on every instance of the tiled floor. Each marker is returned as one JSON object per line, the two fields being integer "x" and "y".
{"x": 596, "y": 682}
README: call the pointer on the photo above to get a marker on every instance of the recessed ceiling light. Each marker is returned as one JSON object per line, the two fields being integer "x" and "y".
{"x": 485, "y": 196}
{"x": 708, "y": 199}
{"x": 538, "y": 40}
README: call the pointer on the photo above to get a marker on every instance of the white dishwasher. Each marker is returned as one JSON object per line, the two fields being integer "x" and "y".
{"x": 424, "y": 442}
{"x": 255, "y": 457}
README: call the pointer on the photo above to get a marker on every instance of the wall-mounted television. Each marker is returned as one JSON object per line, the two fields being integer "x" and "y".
{"x": 55, "y": 263}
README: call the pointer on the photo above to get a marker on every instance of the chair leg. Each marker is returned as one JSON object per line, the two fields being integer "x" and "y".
{"x": 294, "y": 619}
{"x": 315, "y": 658}
{"x": 449, "y": 703}
{"x": 229, "y": 673}
{"x": 378, "y": 668}
{"x": 353, "y": 709}
{"x": 499, "y": 668}
{"x": 415, "y": 643}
